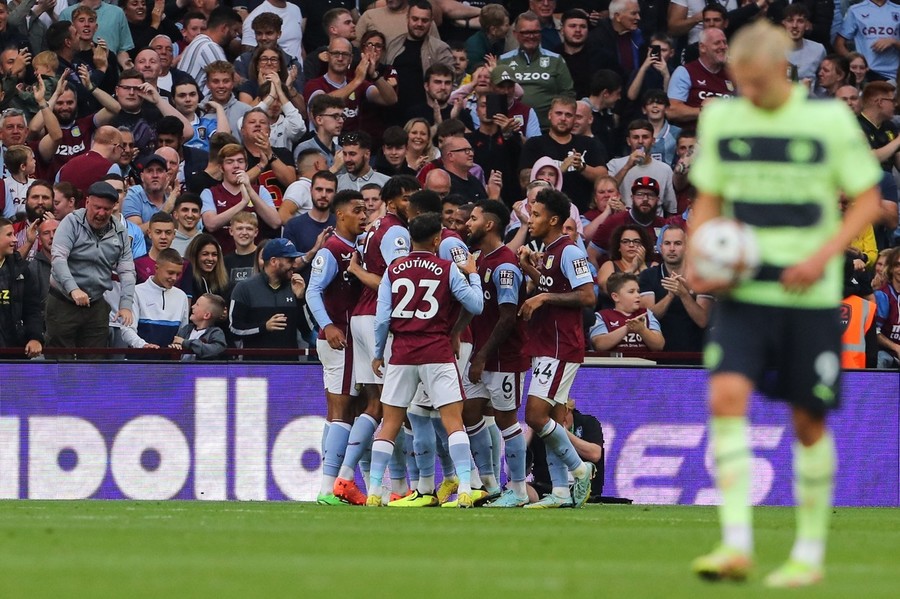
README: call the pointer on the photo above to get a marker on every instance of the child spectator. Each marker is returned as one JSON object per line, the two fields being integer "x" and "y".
{"x": 201, "y": 337}
{"x": 239, "y": 263}
{"x": 20, "y": 164}
{"x": 160, "y": 309}
{"x": 627, "y": 325}
{"x": 161, "y": 231}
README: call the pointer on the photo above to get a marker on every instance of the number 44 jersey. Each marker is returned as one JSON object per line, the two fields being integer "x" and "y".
{"x": 418, "y": 300}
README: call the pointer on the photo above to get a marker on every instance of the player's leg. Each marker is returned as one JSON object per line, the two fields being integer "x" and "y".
{"x": 400, "y": 384}
{"x": 550, "y": 387}
{"x": 490, "y": 421}
{"x": 340, "y": 388}
{"x": 506, "y": 395}
{"x": 450, "y": 482}
{"x": 443, "y": 386}
{"x": 480, "y": 440}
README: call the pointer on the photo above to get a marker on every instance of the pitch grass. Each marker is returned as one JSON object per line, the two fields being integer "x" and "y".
{"x": 196, "y": 549}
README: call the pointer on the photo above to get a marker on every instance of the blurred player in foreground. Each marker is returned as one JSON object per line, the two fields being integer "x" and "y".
{"x": 766, "y": 160}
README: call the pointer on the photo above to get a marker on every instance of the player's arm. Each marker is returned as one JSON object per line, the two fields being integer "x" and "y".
{"x": 382, "y": 317}
{"x": 322, "y": 273}
{"x": 467, "y": 289}
{"x": 394, "y": 244}
{"x": 370, "y": 280}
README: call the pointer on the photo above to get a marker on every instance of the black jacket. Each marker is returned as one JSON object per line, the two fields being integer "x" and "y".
{"x": 21, "y": 318}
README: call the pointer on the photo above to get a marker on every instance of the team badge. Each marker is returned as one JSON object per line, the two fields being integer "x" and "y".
{"x": 487, "y": 275}
{"x": 76, "y": 131}
{"x": 318, "y": 264}
{"x": 400, "y": 242}
{"x": 729, "y": 85}
{"x": 201, "y": 133}
{"x": 549, "y": 263}
{"x": 544, "y": 62}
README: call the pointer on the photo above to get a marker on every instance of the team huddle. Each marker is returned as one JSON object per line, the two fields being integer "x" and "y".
{"x": 427, "y": 334}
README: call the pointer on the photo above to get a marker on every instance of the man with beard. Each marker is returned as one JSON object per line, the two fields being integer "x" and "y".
{"x": 683, "y": 315}
{"x": 222, "y": 26}
{"x": 38, "y": 206}
{"x": 581, "y": 159}
{"x": 640, "y": 163}
{"x": 101, "y": 160}
{"x": 265, "y": 310}
{"x": 365, "y": 86}
{"x": 437, "y": 108}
{"x": 357, "y": 149}
{"x": 308, "y": 230}
{"x": 144, "y": 200}
{"x": 575, "y": 24}
{"x": 645, "y": 199}
{"x": 331, "y": 297}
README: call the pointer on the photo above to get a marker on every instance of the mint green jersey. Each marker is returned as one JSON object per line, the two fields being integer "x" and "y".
{"x": 781, "y": 173}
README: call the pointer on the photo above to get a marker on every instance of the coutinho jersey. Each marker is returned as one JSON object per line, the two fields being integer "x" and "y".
{"x": 424, "y": 310}
{"x": 779, "y": 172}
{"x": 502, "y": 283}
{"x": 556, "y": 331}
{"x": 386, "y": 241}
{"x": 338, "y": 289}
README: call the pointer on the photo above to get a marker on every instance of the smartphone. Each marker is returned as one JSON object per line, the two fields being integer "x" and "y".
{"x": 711, "y": 3}
{"x": 495, "y": 104}
{"x": 656, "y": 51}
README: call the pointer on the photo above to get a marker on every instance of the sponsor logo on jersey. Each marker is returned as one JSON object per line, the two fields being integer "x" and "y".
{"x": 458, "y": 254}
{"x": 507, "y": 280}
{"x": 581, "y": 267}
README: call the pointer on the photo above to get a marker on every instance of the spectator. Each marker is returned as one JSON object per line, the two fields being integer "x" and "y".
{"x": 40, "y": 266}
{"x": 860, "y": 74}
{"x": 307, "y": 232}
{"x": 580, "y": 158}
{"x": 872, "y": 27}
{"x": 806, "y": 54}
{"x": 627, "y": 326}
{"x": 66, "y": 198}
{"x": 222, "y": 26}
{"x": 437, "y": 107}
{"x": 887, "y": 318}
{"x": 413, "y": 54}
{"x": 244, "y": 228}
{"x": 169, "y": 76}
{"x": 138, "y": 241}
{"x": 392, "y": 159}
{"x": 234, "y": 194}
{"x": 616, "y": 43}
{"x": 606, "y": 201}
{"x": 20, "y": 164}
{"x": 542, "y": 74}
{"x": 391, "y": 20}
{"x": 142, "y": 106}
{"x": 375, "y": 207}
{"x": 851, "y": 96}
{"x": 186, "y": 99}
{"x": 833, "y": 73}
{"x": 365, "y": 87}
{"x": 291, "y": 38}
{"x": 266, "y": 310}
{"x": 160, "y": 308}
{"x": 100, "y": 160}
{"x": 357, "y": 149}
{"x": 575, "y": 23}
{"x": 684, "y": 153}
{"x": 193, "y": 24}
{"x": 38, "y": 205}
{"x": 187, "y": 161}
{"x": 20, "y": 309}
{"x": 297, "y": 198}
{"x": 641, "y": 163}
{"x": 337, "y": 23}
{"x": 419, "y": 149}
{"x": 605, "y": 93}
{"x": 665, "y": 134}
{"x": 272, "y": 168}
{"x": 267, "y": 29}
{"x": 88, "y": 247}
{"x": 144, "y": 200}
{"x": 127, "y": 156}
{"x": 220, "y": 85}
{"x": 683, "y": 315}
{"x": 498, "y": 147}
{"x": 630, "y": 251}
{"x": 188, "y": 207}
{"x": 449, "y": 201}
{"x": 268, "y": 63}
{"x": 212, "y": 174}
{"x": 13, "y": 131}
{"x": 373, "y": 122}
{"x": 490, "y": 39}
{"x": 201, "y": 339}
{"x": 326, "y": 113}
{"x": 205, "y": 268}
{"x": 645, "y": 196}
{"x": 550, "y": 25}
{"x": 112, "y": 28}
{"x": 286, "y": 124}
{"x": 457, "y": 157}
{"x": 699, "y": 81}
{"x": 161, "y": 232}
{"x": 655, "y": 71}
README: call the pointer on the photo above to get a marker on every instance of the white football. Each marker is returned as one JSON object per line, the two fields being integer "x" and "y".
{"x": 724, "y": 251}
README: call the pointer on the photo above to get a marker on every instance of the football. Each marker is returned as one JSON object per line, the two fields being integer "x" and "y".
{"x": 724, "y": 251}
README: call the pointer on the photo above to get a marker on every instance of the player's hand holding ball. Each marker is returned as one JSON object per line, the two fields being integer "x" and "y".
{"x": 722, "y": 252}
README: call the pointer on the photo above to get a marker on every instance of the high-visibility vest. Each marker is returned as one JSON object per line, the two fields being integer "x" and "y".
{"x": 857, "y": 315}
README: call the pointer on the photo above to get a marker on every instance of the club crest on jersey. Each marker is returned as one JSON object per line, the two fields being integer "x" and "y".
{"x": 487, "y": 275}
{"x": 544, "y": 62}
{"x": 76, "y": 131}
{"x": 201, "y": 132}
{"x": 549, "y": 263}
{"x": 729, "y": 85}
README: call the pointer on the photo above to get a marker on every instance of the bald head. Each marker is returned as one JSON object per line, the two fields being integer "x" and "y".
{"x": 438, "y": 181}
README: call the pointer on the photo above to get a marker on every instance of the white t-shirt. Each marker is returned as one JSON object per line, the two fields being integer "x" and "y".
{"x": 291, "y": 35}
{"x": 696, "y": 7}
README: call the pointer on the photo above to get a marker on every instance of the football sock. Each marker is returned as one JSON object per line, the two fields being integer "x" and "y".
{"x": 559, "y": 476}
{"x": 556, "y": 440}
{"x": 359, "y": 441}
{"x": 335, "y": 445}
{"x": 425, "y": 484}
{"x": 731, "y": 449}
{"x": 458, "y": 446}
{"x": 325, "y": 437}
{"x": 480, "y": 441}
{"x": 411, "y": 466}
{"x": 397, "y": 466}
{"x": 443, "y": 450}
{"x": 814, "y": 468}
{"x": 496, "y": 446}
{"x": 381, "y": 454}
{"x": 514, "y": 440}
{"x": 424, "y": 443}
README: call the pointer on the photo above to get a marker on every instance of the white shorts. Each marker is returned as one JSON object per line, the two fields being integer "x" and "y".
{"x": 362, "y": 329}
{"x": 337, "y": 369}
{"x": 440, "y": 381}
{"x": 504, "y": 389}
{"x": 421, "y": 398}
{"x": 551, "y": 380}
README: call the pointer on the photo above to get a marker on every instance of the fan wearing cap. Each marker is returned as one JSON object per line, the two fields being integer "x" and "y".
{"x": 144, "y": 200}
{"x": 265, "y": 310}
{"x": 641, "y": 163}
{"x": 645, "y": 193}
{"x": 87, "y": 247}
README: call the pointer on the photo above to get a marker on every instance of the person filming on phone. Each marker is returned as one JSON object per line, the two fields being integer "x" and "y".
{"x": 640, "y": 163}
{"x": 458, "y": 157}
{"x": 497, "y": 143}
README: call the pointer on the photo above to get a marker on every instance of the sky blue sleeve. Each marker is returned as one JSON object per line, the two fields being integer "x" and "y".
{"x": 883, "y": 308}
{"x": 394, "y": 244}
{"x": 652, "y": 322}
{"x": 322, "y": 272}
{"x": 382, "y": 317}
{"x": 598, "y": 328}
{"x": 679, "y": 85}
{"x": 848, "y": 26}
{"x": 575, "y": 266}
{"x": 454, "y": 250}
{"x": 508, "y": 280}
{"x": 208, "y": 204}
{"x": 467, "y": 293}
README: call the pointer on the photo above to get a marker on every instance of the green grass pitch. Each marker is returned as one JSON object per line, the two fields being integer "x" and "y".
{"x": 220, "y": 550}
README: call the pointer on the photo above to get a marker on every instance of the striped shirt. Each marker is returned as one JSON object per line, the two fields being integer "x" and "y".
{"x": 199, "y": 53}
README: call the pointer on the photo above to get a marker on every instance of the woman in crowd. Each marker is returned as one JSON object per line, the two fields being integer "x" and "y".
{"x": 267, "y": 64}
{"x": 204, "y": 271}
{"x": 419, "y": 149}
{"x": 630, "y": 250}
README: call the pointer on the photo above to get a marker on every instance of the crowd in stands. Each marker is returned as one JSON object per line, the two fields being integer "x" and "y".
{"x": 169, "y": 166}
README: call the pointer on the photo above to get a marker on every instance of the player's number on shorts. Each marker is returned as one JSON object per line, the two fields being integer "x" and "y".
{"x": 543, "y": 376}
{"x": 407, "y": 289}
